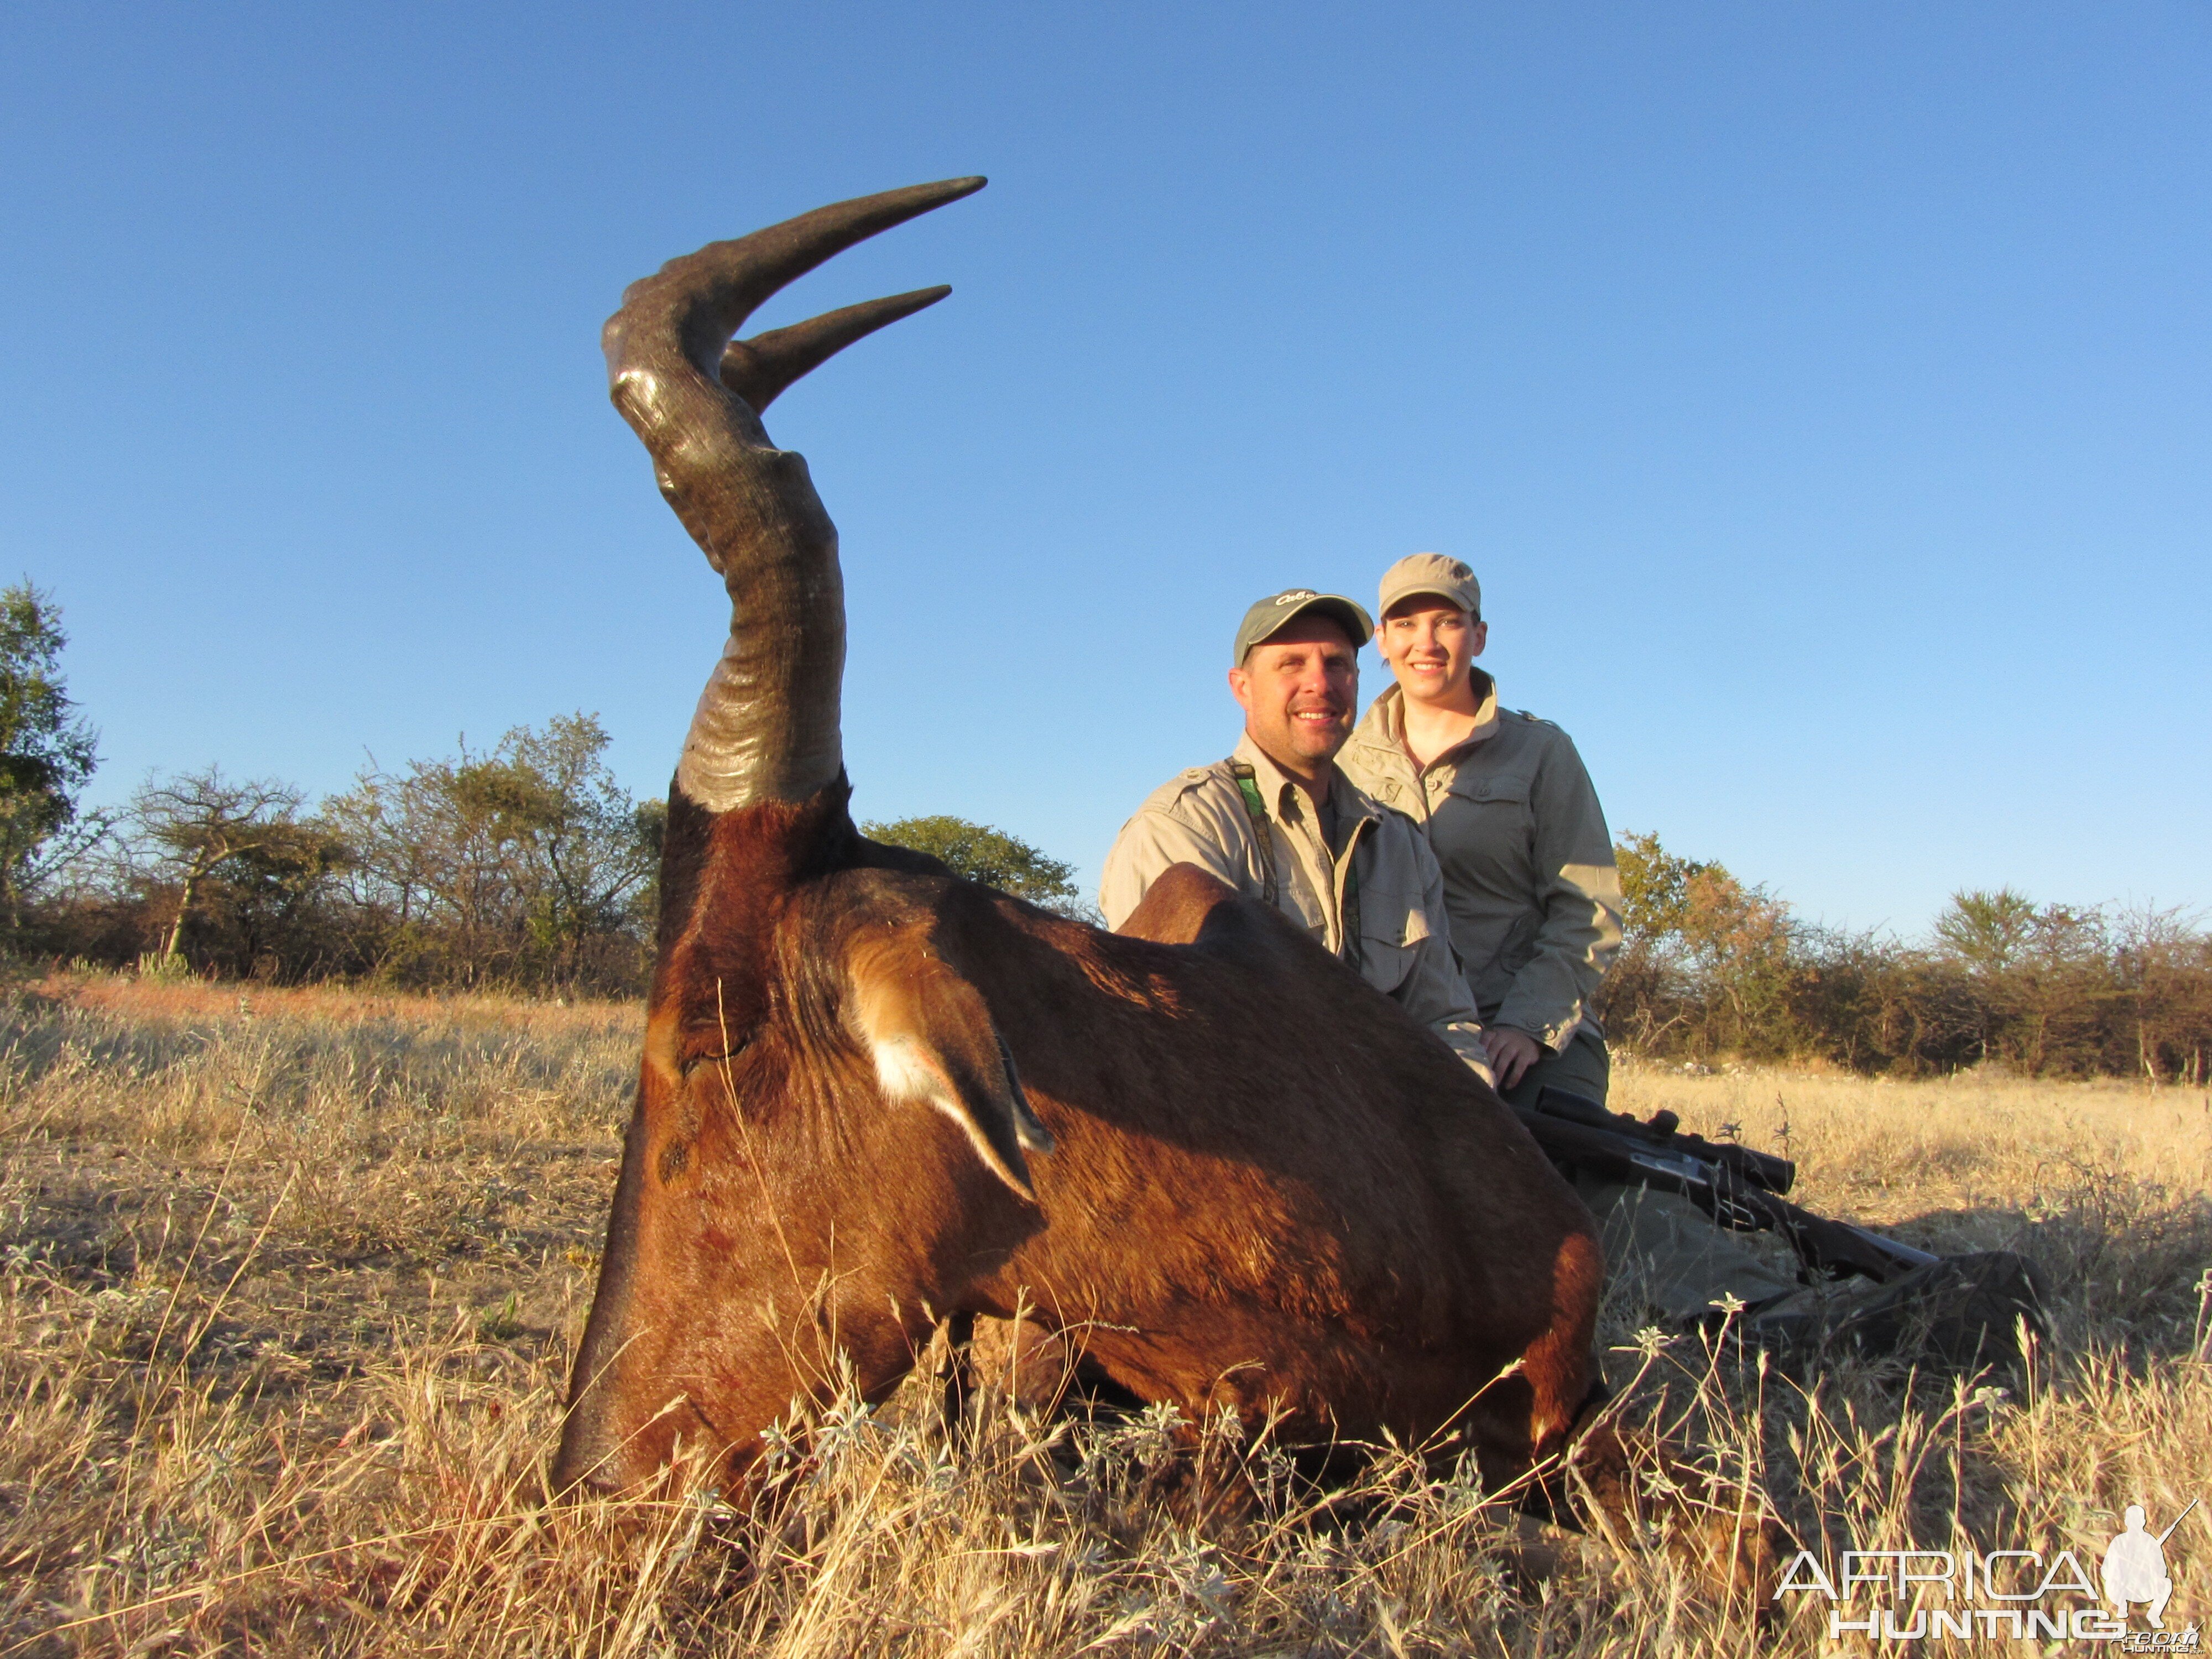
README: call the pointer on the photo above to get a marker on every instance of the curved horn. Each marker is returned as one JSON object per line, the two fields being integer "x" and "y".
{"x": 767, "y": 726}
{"x": 758, "y": 369}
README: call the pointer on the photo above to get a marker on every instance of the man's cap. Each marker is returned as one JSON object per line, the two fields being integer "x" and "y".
{"x": 1430, "y": 572}
{"x": 1278, "y": 610}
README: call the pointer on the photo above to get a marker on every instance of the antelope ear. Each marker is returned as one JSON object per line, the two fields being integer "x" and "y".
{"x": 931, "y": 1039}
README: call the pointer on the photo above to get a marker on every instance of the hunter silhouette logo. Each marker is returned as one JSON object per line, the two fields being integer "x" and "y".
{"x": 2135, "y": 1566}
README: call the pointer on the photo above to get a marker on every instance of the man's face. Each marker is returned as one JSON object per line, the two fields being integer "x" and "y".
{"x": 1299, "y": 688}
{"x": 1429, "y": 644}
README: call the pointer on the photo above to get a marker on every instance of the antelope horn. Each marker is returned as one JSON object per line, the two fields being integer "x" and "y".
{"x": 758, "y": 369}
{"x": 767, "y": 726}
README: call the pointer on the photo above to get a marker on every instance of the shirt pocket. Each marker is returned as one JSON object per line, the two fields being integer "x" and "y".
{"x": 1393, "y": 927}
{"x": 1484, "y": 833}
{"x": 1503, "y": 791}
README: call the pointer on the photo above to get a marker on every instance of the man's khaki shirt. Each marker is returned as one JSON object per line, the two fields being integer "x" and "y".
{"x": 1200, "y": 818}
{"x": 1529, "y": 878}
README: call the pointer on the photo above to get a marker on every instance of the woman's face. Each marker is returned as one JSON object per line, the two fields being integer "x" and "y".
{"x": 1431, "y": 645}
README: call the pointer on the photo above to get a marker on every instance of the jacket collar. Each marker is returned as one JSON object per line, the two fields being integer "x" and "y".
{"x": 1350, "y": 801}
{"x": 1384, "y": 726}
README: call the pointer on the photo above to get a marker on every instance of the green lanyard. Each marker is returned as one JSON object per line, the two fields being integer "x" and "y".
{"x": 1255, "y": 809}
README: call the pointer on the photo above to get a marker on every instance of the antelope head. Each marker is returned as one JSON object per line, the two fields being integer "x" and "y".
{"x": 828, "y": 1135}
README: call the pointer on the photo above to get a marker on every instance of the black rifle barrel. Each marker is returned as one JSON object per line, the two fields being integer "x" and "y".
{"x": 1635, "y": 1155}
{"x": 1762, "y": 1169}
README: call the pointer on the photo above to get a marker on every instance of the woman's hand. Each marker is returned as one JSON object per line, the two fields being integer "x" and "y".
{"x": 1511, "y": 1053}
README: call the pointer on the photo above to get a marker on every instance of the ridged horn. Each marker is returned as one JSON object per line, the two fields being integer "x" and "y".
{"x": 767, "y": 725}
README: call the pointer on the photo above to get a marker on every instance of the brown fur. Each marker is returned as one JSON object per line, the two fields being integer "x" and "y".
{"x": 1271, "y": 1190}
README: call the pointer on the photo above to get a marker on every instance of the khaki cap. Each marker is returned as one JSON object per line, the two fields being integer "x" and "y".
{"x": 1430, "y": 572}
{"x": 1277, "y": 612}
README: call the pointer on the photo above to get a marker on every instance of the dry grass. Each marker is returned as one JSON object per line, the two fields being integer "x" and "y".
{"x": 288, "y": 1285}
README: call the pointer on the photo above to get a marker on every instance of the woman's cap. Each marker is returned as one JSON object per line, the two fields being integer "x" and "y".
{"x": 1430, "y": 572}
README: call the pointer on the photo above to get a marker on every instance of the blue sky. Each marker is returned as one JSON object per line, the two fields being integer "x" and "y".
{"x": 1822, "y": 392}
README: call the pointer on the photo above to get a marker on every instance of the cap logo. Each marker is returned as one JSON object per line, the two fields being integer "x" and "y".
{"x": 1295, "y": 595}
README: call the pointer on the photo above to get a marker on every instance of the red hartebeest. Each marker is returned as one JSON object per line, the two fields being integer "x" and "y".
{"x": 874, "y": 1095}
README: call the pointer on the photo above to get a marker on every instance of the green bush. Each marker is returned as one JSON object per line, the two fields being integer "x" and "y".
{"x": 1710, "y": 968}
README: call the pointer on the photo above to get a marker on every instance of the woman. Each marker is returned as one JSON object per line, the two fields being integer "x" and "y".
{"x": 1529, "y": 877}
{"x": 1534, "y": 901}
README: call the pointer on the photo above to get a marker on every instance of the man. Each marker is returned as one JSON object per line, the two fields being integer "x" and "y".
{"x": 1279, "y": 823}
{"x": 1534, "y": 901}
{"x": 1530, "y": 880}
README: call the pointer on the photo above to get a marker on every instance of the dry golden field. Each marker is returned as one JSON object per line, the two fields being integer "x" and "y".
{"x": 288, "y": 1282}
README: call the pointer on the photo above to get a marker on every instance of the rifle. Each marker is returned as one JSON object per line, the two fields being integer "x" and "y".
{"x": 1741, "y": 1190}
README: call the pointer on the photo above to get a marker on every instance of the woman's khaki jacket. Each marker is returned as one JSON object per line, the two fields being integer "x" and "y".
{"x": 1529, "y": 879}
